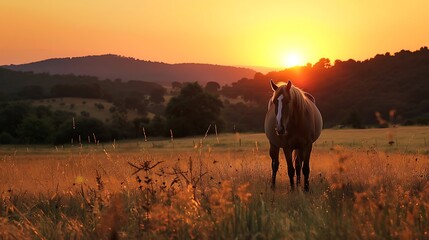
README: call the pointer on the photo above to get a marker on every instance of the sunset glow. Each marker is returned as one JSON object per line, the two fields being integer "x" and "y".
{"x": 293, "y": 60}
{"x": 219, "y": 32}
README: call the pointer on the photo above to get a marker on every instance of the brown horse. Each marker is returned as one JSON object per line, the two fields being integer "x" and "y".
{"x": 293, "y": 123}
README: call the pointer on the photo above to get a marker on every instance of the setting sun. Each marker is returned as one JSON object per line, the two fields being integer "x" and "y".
{"x": 292, "y": 60}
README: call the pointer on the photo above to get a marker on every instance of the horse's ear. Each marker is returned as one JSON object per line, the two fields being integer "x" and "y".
{"x": 289, "y": 85}
{"x": 273, "y": 85}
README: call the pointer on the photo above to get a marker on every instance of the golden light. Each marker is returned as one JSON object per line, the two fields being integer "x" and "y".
{"x": 292, "y": 60}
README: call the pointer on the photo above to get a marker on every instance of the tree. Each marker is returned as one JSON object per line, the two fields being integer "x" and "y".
{"x": 133, "y": 102}
{"x": 139, "y": 123}
{"x": 11, "y": 115}
{"x": 77, "y": 90}
{"x": 176, "y": 84}
{"x": 83, "y": 127}
{"x": 32, "y": 92}
{"x": 354, "y": 120}
{"x": 323, "y": 63}
{"x": 157, "y": 95}
{"x": 157, "y": 126}
{"x": 42, "y": 112}
{"x": 34, "y": 130}
{"x": 243, "y": 117}
{"x": 175, "y": 87}
{"x": 212, "y": 87}
{"x": 6, "y": 138}
{"x": 192, "y": 111}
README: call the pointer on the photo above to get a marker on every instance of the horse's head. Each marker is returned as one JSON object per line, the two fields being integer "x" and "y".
{"x": 281, "y": 99}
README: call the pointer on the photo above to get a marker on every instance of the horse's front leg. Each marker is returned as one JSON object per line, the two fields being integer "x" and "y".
{"x": 290, "y": 169}
{"x": 274, "y": 154}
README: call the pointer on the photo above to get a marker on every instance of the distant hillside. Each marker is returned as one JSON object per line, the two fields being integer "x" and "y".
{"x": 17, "y": 84}
{"x": 117, "y": 67}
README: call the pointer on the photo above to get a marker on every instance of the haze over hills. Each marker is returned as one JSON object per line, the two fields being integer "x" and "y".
{"x": 113, "y": 67}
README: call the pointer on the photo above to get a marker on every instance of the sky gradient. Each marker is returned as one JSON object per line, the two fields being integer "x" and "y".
{"x": 240, "y": 33}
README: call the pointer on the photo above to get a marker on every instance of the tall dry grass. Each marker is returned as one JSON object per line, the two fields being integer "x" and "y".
{"x": 205, "y": 192}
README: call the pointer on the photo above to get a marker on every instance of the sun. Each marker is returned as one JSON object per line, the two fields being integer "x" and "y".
{"x": 292, "y": 60}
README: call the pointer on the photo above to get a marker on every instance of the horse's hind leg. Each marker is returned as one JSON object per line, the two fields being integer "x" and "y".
{"x": 306, "y": 167}
{"x": 298, "y": 165}
{"x": 290, "y": 169}
{"x": 274, "y": 154}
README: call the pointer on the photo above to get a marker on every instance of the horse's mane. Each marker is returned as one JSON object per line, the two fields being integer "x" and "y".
{"x": 297, "y": 102}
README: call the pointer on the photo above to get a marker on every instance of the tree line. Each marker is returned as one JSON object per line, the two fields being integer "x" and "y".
{"x": 348, "y": 93}
{"x": 189, "y": 113}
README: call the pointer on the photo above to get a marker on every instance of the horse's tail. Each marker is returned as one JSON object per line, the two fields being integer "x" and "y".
{"x": 295, "y": 156}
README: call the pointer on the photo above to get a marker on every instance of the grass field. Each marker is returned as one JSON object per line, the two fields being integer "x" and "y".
{"x": 361, "y": 187}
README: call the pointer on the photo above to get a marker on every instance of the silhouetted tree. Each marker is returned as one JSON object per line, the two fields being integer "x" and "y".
{"x": 32, "y": 92}
{"x": 84, "y": 127}
{"x": 212, "y": 87}
{"x": 34, "y": 130}
{"x": 323, "y": 63}
{"x": 243, "y": 117}
{"x": 6, "y": 138}
{"x": 77, "y": 90}
{"x": 192, "y": 111}
{"x": 354, "y": 120}
{"x": 157, "y": 95}
{"x": 139, "y": 123}
{"x": 157, "y": 127}
{"x": 176, "y": 84}
{"x": 12, "y": 115}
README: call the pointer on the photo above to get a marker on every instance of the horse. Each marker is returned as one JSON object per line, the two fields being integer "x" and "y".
{"x": 294, "y": 123}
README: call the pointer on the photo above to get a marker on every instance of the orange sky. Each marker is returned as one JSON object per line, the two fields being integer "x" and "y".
{"x": 246, "y": 33}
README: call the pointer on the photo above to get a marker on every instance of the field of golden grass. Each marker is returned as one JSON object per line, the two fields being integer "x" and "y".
{"x": 361, "y": 187}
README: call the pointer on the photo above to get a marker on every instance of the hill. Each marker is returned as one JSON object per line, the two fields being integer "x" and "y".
{"x": 29, "y": 85}
{"x": 118, "y": 67}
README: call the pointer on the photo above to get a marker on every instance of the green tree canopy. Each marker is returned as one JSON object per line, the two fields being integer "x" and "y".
{"x": 11, "y": 115}
{"x": 157, "y": 95}
{"x": 192, "y": 111}
{"x": 212, "y": 87}
{"x": 34, "y": 130}
{"x": 84, "y": 127}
